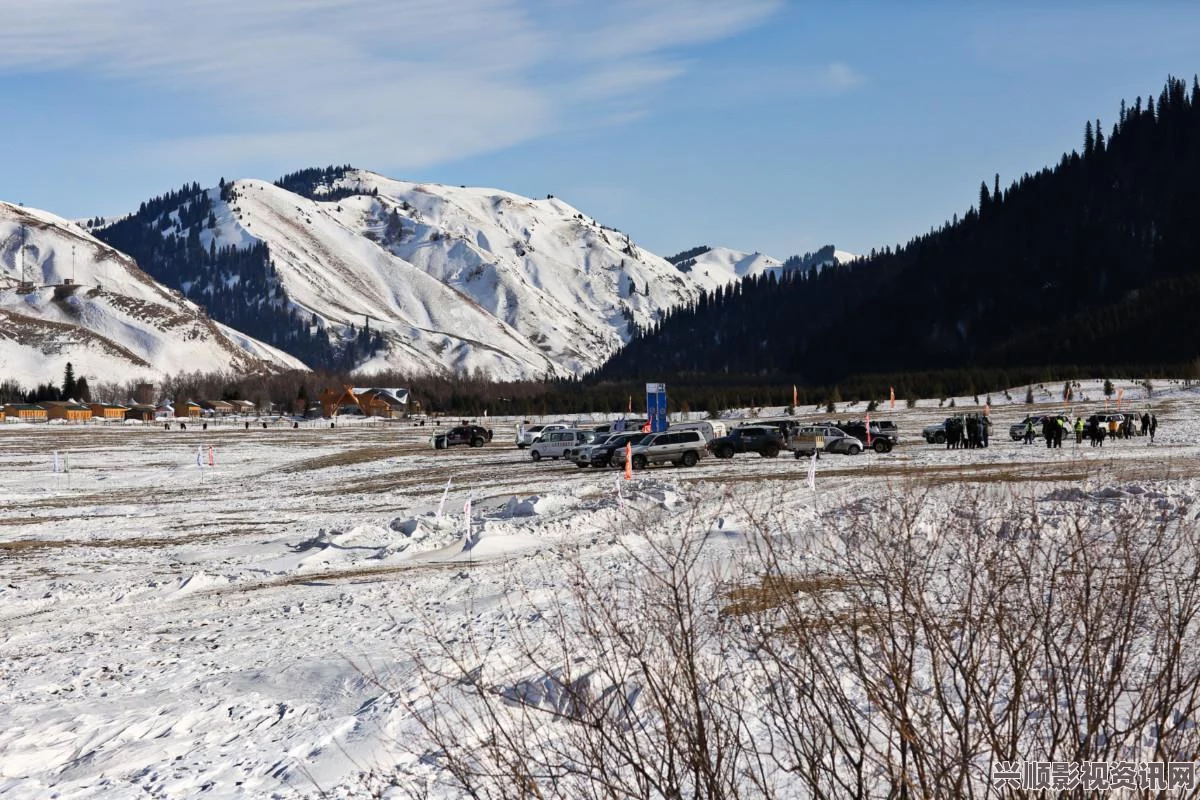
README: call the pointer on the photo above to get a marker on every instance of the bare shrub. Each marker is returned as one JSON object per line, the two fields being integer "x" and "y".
{"x": 904, "y": 646}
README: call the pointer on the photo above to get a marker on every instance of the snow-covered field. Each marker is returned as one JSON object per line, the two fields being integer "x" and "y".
{"x": 249, "y": 629}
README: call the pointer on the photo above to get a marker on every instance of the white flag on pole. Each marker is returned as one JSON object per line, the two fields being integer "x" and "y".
{"x": 469, "y": 539}
{"x": 199, "y": 456}
{"x": 620, "y": 499}
{"x": 57, "y": 468}
{"x": 442, "y": 505}
{"x": 812, "y": 472}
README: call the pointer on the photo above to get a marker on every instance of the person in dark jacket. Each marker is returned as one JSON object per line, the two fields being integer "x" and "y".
{"x": 1153, "y": 427}
{"x": 1049, "y": 430}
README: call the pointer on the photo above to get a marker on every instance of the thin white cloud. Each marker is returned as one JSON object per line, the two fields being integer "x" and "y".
{"x": 390, "y": 83}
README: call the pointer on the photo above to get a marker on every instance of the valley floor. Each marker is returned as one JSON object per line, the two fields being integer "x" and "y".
{"x": 175, "y": 630}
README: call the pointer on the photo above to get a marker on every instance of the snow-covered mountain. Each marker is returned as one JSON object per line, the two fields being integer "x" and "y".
{"x": 455, "y": 279}
{"x": 89, "y": 304}
{"x": 451, "y": 280}
{"x": 713, "y": 267}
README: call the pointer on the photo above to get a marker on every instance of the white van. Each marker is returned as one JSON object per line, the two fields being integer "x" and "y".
{"x": 710, "y": 428}
{"x": 552, "y": 443}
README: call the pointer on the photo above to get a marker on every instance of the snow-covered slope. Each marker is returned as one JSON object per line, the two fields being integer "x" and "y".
{"x": 91, "y": 305}
{"x": 456, "y": 279}
{"x": 719, "y": 265}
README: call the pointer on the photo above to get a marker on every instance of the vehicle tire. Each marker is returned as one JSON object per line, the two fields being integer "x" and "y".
{"x": 796, "y": 454}
{"x": 477, "y": 442}
{"x": 726, "y": 451}
{"x": 535, "y": 455}
{"x": 439, "y": 444}
{"x": 853, "y": 450}
{"x": 607, "y": 462}
{"x": 939, "y": 438}
{"x": 689, "y": 459}
{"x": 770, "y": 451}
{"x": 522, "y": 446}
{"x": 882, "y": 446}
{"x": 581, "y": 466}
{"x": 639, "y": 461}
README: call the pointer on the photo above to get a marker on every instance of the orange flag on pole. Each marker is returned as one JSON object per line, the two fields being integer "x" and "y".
{"x": 868, "y": 430}
{"x": 892, "y": 398}
{"x": 628, "y": 462}
{"x": 795, "y": 396}
{"x": 1120, "y": 394}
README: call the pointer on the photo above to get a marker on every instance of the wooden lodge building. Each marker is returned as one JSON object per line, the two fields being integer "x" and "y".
{"x": 107, "y": 411}
{"x": 370, "y": 402}
{"x": 25, "y": 412}
{"x": 67, "y": 410}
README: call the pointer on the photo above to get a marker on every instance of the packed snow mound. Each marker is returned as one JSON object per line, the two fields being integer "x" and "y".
{"x": 90, "y": 305}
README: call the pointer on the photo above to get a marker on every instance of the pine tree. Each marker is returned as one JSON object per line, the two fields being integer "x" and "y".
{"x": 69, "y": 387}
{"x": 1108, "y": 388}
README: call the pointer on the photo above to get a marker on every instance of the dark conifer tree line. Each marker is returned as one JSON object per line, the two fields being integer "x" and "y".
{"x": 1095, "y": 261}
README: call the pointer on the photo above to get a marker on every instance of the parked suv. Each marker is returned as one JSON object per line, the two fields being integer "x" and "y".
{"x": 1016, "y": 431}
{"x": 528, "y": 435}
{"x": 554, "y": 444}
{"x": 882, "y": 440}
{"x": 681, "y": 448}
{"x": 474, "y": 435}
{"x": 602, "y": 451}
{"x": 765, "y": 440}
{"x": 834, "y": 440}
{"x": 935, "y": 434}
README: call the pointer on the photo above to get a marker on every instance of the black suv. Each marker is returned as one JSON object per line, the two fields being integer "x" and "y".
{"x": 474, "y": 435}
{"x": 766, "y": 440}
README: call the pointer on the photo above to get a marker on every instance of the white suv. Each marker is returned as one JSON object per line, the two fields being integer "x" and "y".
{"x": 529, "y": 434}
{"x": 681, "y": 448}
{"x": 552, "y": 444}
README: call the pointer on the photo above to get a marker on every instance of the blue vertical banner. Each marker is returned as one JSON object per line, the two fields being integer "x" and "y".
{"x": 656, "y": 406}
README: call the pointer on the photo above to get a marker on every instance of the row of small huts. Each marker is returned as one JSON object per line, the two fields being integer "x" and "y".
{"x": 74, "y": 411}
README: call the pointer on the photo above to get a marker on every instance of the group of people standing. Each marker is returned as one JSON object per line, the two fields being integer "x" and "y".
{"x": 968, "y": 430}
{"x": 1096, "y": 428}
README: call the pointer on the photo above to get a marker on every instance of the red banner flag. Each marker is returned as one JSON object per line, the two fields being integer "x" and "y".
{"x": 868, "y": 430}
{"x": 892, "y": 398}
{"x": 795, "y": 396}
{"x": 628, "y": 462}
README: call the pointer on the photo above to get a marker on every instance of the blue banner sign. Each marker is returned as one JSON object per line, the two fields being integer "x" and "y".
{"x": 656, "y": 406}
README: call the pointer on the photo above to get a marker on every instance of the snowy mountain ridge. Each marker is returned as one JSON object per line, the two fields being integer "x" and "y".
{"x": 90, "y": 305}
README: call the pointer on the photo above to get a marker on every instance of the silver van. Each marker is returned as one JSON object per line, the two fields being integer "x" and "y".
{"x": 552, "y": 444}
{"x": 681, "y": 448}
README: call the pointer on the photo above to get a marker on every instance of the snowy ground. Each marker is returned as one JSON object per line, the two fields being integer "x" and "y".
{"x": 174, "y": 630}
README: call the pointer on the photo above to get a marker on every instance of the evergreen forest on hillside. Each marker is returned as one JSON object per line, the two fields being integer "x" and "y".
{"x": 1092, "y": 263}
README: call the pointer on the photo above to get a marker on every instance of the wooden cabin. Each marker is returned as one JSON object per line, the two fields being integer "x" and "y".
{"x": 67, "y": 410}
{"x": 243, "y": 407}
{"x": 141, "y": 412}
{"x": 25, "y": 412}
{"x": 216, "y": 408}
{"x": 188, "y": 410}
{"x": 107, "y": 411}
{"x": 371, "y": 402}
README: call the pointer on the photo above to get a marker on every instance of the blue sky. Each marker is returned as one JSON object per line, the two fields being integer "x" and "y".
{"x": 756, "y": 124}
